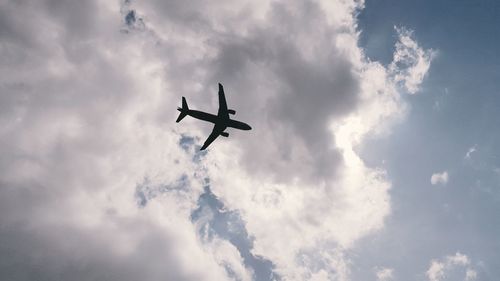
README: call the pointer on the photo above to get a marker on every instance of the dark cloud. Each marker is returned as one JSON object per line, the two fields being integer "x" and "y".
{"x": 303, "y": 92}
{"x": 271, "y": 78}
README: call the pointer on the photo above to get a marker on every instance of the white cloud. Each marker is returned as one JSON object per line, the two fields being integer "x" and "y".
{"x": 458, "y": 259}
{"x": 470, "y": 151}
{"x": 88, "y": 104}
{"x": 435, "y": 271}
{"x": 384, "y": 274}
{"x": 439, "y": 178}
{"x": 441, "y": 269}
{"x": 416, "y": 61}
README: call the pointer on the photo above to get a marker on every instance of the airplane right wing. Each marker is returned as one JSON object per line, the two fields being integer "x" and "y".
{"x": 215, "y": 133}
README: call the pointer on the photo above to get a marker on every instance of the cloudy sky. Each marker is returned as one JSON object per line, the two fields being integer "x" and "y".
{"x": 373, "y": 156}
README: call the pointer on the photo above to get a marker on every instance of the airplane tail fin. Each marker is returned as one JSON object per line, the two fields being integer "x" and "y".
{"x": 184, "y": 110}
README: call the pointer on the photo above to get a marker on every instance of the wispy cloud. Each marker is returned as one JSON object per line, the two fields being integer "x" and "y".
{"x": 410, "y": 63}
{"x": 470, "y": 151}
{"x": 439, "y": 268}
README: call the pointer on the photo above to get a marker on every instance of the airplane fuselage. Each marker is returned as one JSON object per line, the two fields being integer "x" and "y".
{"x": 218, "y": 120}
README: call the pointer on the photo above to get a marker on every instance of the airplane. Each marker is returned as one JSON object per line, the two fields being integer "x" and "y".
{"x": 221, "y": 120}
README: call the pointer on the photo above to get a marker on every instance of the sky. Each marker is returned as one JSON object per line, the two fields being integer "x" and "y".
{"x": 373, "y": 152}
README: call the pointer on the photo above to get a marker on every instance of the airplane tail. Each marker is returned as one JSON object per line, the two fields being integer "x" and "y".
{"x": 184, "y": 110}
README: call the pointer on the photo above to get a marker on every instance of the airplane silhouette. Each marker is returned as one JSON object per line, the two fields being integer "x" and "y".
{"x": 221, "y": 120}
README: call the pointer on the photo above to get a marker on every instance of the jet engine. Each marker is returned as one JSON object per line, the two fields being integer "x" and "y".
{"x": 224, "y": 134}
{"x": 231, "y": 111}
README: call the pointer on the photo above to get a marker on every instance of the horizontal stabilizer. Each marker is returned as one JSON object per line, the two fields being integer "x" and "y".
{"x": 184, "y": 110}
{"x": 182, "y": 115}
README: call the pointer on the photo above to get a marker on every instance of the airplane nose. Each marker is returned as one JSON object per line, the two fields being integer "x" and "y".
{"x": 248, "y": 127}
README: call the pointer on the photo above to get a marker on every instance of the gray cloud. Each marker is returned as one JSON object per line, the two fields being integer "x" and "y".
{"x": 299, "y": 93}
{"x": 64, "y": 96}
{"x": 35, "y": 247}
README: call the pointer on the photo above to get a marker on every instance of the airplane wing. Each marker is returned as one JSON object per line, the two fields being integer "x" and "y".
{"x": 215, "y": 133}
{"x": 222, "y": 102}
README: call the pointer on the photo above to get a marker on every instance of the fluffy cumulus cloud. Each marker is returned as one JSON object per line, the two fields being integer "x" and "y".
{"x": 439, "y": 178}
{"x": 452, "y": 267}
{"x": 98, "y": 182}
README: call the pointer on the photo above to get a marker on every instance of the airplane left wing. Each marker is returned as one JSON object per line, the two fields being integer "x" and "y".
{"x": 222, "y": 102}
{"x": 215, "y": 133}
